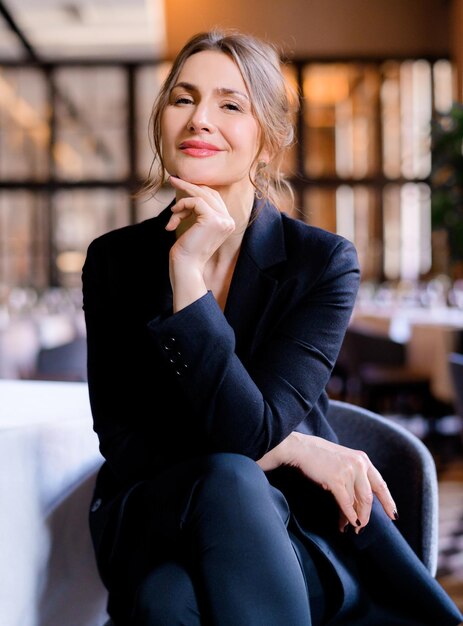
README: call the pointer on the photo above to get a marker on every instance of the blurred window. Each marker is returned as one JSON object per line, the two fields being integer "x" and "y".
{"x": 91, "y": 123}
{"x": 370, "y": 123}
{"x": 407, "y": 230}
{"x": 341, "y": 120}
{"x": 148, "y": 82}
{"x": 24, "y": 124}
{"x": 353, "y": 212}
{"x": 24, "y": 251}
{"x": 80, "y": 216}
{"x": 75, "y": 146}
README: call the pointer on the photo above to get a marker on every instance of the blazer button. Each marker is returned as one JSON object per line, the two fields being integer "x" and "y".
{"x": 169, "y": 344}
{"x": 174, "y": 357}
{"x": 181, "y": 369}
{"x": 96, "y": 505}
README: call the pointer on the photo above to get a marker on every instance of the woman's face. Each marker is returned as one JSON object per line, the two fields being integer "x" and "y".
{"x": 209, "y": 134}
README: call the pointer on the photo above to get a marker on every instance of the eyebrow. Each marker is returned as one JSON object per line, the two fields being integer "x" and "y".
{"x": 221, "y": 91}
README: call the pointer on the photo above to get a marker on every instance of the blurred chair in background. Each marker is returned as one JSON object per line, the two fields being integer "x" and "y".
{"x": 66, "y": 362}
{"x": 456, "y": 371}
{"x": 459, "y": 342}
{"x": 375, "y": 375}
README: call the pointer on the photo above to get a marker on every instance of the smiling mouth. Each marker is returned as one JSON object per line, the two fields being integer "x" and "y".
{"x": 199, "y": 149}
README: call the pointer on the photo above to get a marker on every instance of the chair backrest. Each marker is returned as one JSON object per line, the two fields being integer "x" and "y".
{"x": 456, "y": 372}
{"x": 406, "y": 465}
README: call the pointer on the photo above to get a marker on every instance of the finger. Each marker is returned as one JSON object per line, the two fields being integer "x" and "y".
{"x": 178, "y": 216}
{"x": 355, "y": 496}
{"x": 180, "y": 183}
{"x": 346, "y": 502}
{"x": 211, "y": 196}
{"x": 203, "y": 210}
{"x": 343, "y": 522}
{"x": 173, "y": 222}
{"x": 194, "y": 203}
{"x": 191, "y": 188}
{"x": 363, "y": 498}
{"x": 381, "y": 490}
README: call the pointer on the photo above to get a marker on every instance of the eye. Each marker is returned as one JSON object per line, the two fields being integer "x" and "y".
{"x": 232, "y": 106}
{"x": 183, "y": 100}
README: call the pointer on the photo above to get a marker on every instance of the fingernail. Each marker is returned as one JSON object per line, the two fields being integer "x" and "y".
{"x": 360, "y": 531}
{"x": 346, "y": 528}
{"x": 395, "y": 514}
{"x": 358, "y": 522}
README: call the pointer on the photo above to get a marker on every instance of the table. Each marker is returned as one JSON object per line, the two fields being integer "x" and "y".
{"x": 429, "y": 334}
{"x": 48, "y": 459}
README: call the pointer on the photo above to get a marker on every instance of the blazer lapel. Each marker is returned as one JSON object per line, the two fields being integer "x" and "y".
{"x": 253, "y": 286}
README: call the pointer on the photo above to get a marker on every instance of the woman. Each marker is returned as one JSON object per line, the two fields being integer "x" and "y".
{"x": 212, "y": 332}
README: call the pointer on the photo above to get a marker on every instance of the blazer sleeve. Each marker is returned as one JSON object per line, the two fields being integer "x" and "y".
{"x": 114, "y": 378}
{"x": 250, "y": 409}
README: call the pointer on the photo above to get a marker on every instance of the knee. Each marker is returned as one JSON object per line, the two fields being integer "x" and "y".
{"x": 166, "y": 597}
{"x": 232, "y": 498}
{"x": 233, "y": 471}
{"x": 230, "y": 478}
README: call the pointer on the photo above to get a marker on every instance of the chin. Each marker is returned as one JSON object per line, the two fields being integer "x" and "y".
{"x": 213, "y": 183}
{"x": 200, "y": 178}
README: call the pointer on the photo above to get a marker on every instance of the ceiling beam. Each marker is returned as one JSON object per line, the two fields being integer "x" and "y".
{"x": 56, "y": 94}
{"x": 13, "y": 26}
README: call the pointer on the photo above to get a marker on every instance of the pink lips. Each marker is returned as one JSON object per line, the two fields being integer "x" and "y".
{"x": 198, "y": 148}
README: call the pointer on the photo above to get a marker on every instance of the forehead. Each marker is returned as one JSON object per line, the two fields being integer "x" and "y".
{"x": 212, "y": 68}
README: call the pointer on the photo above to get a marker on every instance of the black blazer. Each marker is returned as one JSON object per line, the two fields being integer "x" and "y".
{"x": 164, "y": 387}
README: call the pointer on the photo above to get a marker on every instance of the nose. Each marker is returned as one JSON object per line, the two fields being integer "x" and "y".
{"x": 200, "y": 119}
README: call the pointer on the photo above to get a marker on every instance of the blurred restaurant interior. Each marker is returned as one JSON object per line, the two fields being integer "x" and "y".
{"x": 378, "y": 159}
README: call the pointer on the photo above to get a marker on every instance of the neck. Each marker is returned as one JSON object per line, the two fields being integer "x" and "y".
{"x": 219, "y": 269}
{"x": 239, "y": 206}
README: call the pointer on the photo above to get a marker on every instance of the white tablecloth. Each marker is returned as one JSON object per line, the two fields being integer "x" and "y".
{"x": 48, "y": 459}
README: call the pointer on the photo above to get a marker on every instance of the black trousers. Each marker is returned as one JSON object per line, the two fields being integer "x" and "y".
{"x": 207, "y": 543}
{"x": 211, "y": 542}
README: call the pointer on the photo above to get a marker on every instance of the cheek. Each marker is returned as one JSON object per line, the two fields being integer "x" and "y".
{"x": 168, "y": 141}
{"x": 170, "y": 124}
{"x": 165, "y": 131}
{"x": 247, "y": 137}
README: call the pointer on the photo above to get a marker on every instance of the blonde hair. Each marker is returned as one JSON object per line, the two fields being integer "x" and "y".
{"x": 273, "y": 104}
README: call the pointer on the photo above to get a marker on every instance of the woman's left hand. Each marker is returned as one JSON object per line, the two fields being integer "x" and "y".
{"x": 348, "y": 474}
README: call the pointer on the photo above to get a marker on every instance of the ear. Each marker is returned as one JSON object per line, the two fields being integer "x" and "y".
{"x": 264, "y": 155}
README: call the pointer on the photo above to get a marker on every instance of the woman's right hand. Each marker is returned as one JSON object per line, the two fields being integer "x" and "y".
{"x": 348, "y": 474}
{"x": 203, "y": 224}
{"x": 211, "y": 223}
